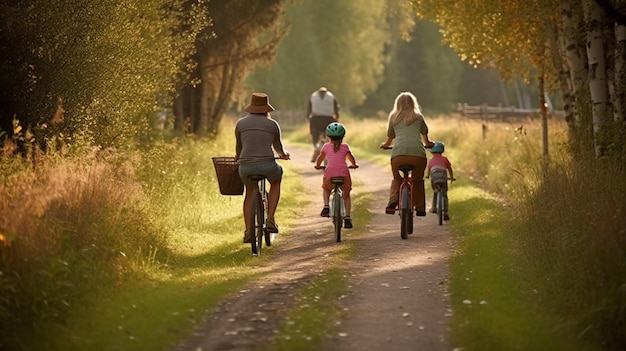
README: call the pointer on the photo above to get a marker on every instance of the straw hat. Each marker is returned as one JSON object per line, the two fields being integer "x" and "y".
{"x": 259, "y": 103}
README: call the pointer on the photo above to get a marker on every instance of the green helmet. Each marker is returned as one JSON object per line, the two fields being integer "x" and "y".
{"x": 438, "y": 148}
{"x": 335, "y": 130}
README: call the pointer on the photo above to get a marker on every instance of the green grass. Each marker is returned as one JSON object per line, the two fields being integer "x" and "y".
{"x": 493, "y": 297}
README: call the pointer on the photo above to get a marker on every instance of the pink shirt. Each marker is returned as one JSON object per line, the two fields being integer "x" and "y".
{"x": 336, "y": 166}
{"x": 439, "y": 161}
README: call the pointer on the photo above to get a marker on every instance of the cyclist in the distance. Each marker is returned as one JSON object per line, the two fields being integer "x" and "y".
{"x": 258, "y": 136}
{"x": 336, "y": 152}
{"x": 438, "y": 169}
{"x": 322, "y": 110}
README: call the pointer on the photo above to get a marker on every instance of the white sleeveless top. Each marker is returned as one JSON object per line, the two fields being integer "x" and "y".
{"x": 322, "y": 107}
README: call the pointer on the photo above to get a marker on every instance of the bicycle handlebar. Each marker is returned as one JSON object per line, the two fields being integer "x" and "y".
{"x": 324, "y": 167}
{"x": 391, "y": 147}
{"x": 448, "y": 178}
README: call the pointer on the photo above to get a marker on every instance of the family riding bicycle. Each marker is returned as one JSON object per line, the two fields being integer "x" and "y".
{"x": 259, "y": 144}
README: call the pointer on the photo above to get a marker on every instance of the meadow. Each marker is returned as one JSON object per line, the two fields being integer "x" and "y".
{"x": 99, "y": 248}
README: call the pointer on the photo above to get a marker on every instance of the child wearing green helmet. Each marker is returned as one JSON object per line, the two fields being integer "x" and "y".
{"x": 336, "y": 152}
{"x": 438, "y": 169}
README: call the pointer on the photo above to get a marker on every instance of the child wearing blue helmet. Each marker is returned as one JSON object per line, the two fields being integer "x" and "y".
{"x": 336, "y": 152}
{"x": 439, "y": 167}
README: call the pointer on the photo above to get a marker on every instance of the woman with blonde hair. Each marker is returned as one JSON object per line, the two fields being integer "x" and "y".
{"x": 409, "y": 130}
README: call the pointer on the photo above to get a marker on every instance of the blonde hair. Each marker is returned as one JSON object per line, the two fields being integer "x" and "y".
{"x": 406, "y": 109}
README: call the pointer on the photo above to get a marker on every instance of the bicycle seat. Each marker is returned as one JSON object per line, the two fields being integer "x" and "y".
{"x": 405, "y": 168}
{"x": 255, "y": 177}
{"x": 337, "y": 180}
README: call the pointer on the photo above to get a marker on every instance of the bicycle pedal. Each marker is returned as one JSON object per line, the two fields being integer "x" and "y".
{"x": 390, "y": 211}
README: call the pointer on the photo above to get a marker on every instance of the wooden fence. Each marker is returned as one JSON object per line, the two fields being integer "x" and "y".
{"x": 485, "y": 112}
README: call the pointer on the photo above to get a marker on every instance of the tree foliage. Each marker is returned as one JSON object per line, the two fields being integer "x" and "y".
{"x": 576, "y": 45}
{"x": 244, "y": 34}
{"x": 338, "y": 44}
{"x": 421, "y": 64}
{"x": 91, "y": 69}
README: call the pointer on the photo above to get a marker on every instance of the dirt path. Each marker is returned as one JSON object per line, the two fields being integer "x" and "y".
{"x": 397, "y": 297}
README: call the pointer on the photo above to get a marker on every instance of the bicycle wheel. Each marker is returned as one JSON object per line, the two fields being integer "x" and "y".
{"x": 440, "y": 206}
{"x": 337, "y": 218}
{"x": 405, "y": 212}
{"x": 256, "y": 223}
{"x": 268, "y": 236}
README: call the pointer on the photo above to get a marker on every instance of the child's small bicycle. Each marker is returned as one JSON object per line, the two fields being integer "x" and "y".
{"x": 336, "y": 203}
{"x": 440, "y": 187}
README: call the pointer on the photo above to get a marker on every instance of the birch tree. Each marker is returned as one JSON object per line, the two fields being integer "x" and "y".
{"x": 512, "y": 36}
{"x": 596, "y": 25}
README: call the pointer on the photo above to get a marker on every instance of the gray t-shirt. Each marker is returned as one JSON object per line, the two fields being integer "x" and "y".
{"x": 256, "y": 135}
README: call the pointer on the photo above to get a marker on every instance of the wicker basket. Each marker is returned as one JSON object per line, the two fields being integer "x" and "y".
{"x": 227, "y": 171}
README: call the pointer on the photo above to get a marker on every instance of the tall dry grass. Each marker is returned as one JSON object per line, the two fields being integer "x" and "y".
{"x": 66, "y": 227}
{"x": 572, "y": 234}
{"x": 567, "y": 218}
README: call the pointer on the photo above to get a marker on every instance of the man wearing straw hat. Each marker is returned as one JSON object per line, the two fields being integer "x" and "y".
{"x": 258, "y": 137}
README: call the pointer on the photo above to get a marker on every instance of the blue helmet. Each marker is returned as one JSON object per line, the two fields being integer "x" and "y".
{"x": 335, "y": 129}
{"x": 438, "y": 148}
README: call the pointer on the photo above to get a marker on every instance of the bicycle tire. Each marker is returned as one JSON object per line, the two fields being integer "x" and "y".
{"x": 440, "y": 206}
{"x": 337, "y": 218}
{"x": 254, "y": 225}
{"x": 266, "y": 233}
{"x": 405, "y": 212}
{"x": 261, "y": 229}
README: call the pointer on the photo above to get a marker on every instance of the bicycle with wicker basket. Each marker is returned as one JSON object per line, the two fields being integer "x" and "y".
{"x": 231, "y": 184}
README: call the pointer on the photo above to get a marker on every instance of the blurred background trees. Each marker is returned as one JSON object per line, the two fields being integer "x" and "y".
{"x": 99, "y": 71}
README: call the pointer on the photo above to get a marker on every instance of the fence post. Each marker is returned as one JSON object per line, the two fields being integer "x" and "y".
{"x": 483, "y": 117}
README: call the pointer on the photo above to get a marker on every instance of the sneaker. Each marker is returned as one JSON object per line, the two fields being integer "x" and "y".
{"x": 391, "y": 207}
{"x": 347, "y": 223}
{"x": 432, "y": 210}
{"x": 420, "y": 213}
{"x": 446, "y": 217}
{"x": 325, "y": 212}
{"x": 247, "y": 237}
{"x": 272, "y": 227}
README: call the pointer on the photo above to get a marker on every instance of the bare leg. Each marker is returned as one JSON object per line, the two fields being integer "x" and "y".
{"x": 326, "y": 194}
{"x": 273, "y": 198}
{"x": 246, "y": 206}
{"x": 347, "y": 202}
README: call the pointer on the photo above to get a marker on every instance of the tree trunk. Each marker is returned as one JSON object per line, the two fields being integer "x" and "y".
{"x": 573, "y": 57}
{"x": 543, "y": 108}
{"x": 555, "y": 42}
{"x": 597, "y": 73}
{"x": 619, "y": 98}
